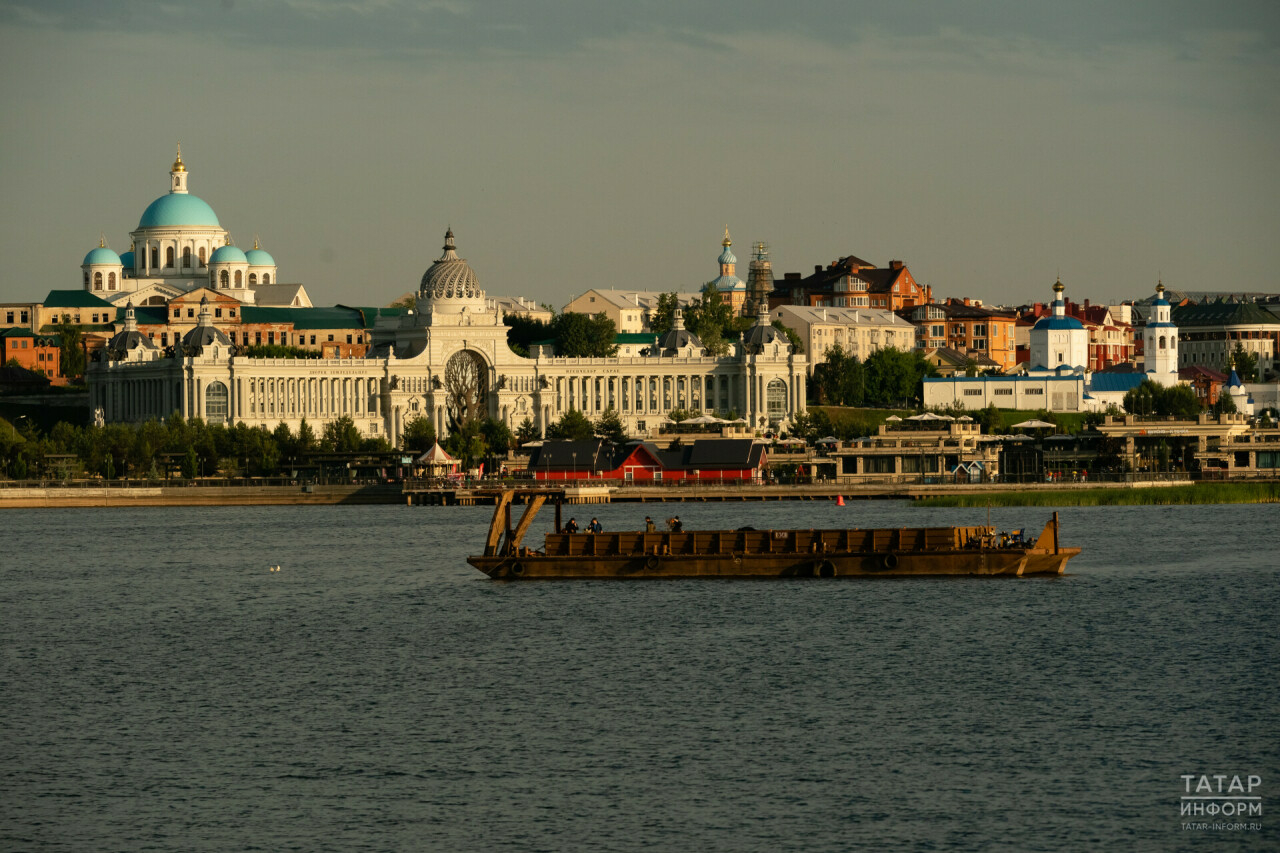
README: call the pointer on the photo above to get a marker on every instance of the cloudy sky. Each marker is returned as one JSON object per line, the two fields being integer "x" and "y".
{"x": 992, "y": 145}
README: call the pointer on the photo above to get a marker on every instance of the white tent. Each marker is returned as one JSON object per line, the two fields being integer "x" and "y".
{"x": 437, "y": 460}
{"x": 1034, "y": 424}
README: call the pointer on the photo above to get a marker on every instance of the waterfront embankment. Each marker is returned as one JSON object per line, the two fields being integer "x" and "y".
{"x": 1192, "y": 493}
{"x": 481, "y": 493}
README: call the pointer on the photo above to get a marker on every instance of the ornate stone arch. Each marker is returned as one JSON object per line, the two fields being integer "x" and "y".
{"x": 466, "y": 384}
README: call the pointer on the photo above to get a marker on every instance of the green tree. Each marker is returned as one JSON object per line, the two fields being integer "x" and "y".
{"x": 1151, "y": 398}
{"x": 894, "y": 375}
{"x": 341, "y": 436}
{"x": 522, "y": 332}
{"x": 1225, "y": 405}
{"x": 711, "y": 319}
{"x": 572, "y": 426}
{"x": 1245, "y": 363}
{"x": 609, "y": 427}
{"x": 526, "y": 431}
{"x": 72, "y": 350}
{"x": 306, "y": 438}
{"x": 419, "y": 434}
{"x": 497, "y": 436}
{"x": 664, "y": 314}
{"x": 584, "y": 336}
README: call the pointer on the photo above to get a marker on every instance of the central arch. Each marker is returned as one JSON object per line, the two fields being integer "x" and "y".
{"x": 466, "y": 385}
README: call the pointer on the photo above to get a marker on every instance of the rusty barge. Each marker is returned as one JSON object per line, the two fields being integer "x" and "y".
{"x": 749, "y": 553}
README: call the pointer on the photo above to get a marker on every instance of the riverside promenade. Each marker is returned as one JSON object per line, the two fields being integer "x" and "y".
{"x": 196, "y": 493}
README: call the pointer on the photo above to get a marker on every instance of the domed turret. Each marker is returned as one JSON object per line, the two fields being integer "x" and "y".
{"x": 678, "y": 339}
{"x": 102, "y": 269}
{"x": 763, "y": 335}
{"x": 129, "y": 342}
{"x": 450, "y": 284}
{"x": 205, "y": 334}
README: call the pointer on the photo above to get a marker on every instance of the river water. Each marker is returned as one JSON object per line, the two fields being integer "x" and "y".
{"x": 163, "y": 690}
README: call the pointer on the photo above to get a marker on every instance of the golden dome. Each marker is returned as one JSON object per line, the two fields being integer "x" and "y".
{"x": 177, "y": 164}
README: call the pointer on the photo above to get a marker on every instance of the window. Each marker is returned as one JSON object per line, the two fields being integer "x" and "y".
{"x": 202, "y": 256}
{"x": 224, "y": 279}
{"x": 257, "y": 338}
{"x": 331, "y": 337}
{"x": 215, "y": 402}
{"x": 95, "y": 318}
{"x": 177, "y": 312}
{"x": 313, "y": 340}
{"x": 186, "y": 256}
{"x": 155, "y": 257}
{"x": 348, "y": 339}
{"x": 168, "y": 258}
{"x": 239, "y": 280}
{"x": 973, "y": 392}
{"x": 253, "y": 279}
{"x": 1004, "y": 392}
{"x": 97, "y": 281}
{"x": 191, "y": 312}
{"x": 231, "y": 312}
{"x": 776, "y": 400}
{"x": 266, "y": 278}
{"x": 86, "y": 279}
{"x": 164, "y": 339}
{"x": 8, "y": 317}
{"x": 271, "y": 337}
{"x": 111, "y": 281}
{"x": 1035, "y": 392}
{"x": 217, "y": 312}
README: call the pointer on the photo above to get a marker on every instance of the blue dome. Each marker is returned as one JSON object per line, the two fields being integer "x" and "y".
{"x": 228, "y": 255}
{"x": 726, "y": 257}
{"x": 127, "y": 260}
{"x": 1160, "y": 300}
{"x": 729, "y": 282}
{"x": 102, "y": 255}
{"x": 259, "y": 258}
{"x": 178, "y": 209}
{"x": 1058, "y": 323}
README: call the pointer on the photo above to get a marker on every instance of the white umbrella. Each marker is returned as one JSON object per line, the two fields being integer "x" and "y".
{"x": 830, "y": 439}
{"x": 965, "y": 419}
{"x": 893, "y": 418}
{"x": 737, "y": 421}
{"x": 1034, "y": 424}
{"x": 946, "y": 418}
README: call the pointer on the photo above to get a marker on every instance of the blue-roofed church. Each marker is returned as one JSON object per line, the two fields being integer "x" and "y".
{"x": 1160, "y": 342}
{"x": 1058, "y": 341}
{"x": 180, "y": 246}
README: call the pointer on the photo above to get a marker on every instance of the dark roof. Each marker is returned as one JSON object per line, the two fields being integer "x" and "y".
{"x": 1115, "y": 381}
{"x": 722, "y": 453}
{"x": 1193, "y": 370}
{"x": 74, "y": 299}
{"x": 338, "y": 317}
{"x": 1224, "y": 314}
{"x": 593, "y": 455}
{"x": 21, "y": 377}
{"x": 16, "y": 332}
{"x": 155, "y": 315}
{"x": 1123, "y": 367}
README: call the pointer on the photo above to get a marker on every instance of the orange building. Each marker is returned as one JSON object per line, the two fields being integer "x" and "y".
{"x": 965, "y": 327}
{"x": 32, "y": 351}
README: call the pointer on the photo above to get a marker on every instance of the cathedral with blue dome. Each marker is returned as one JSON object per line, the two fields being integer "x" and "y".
{"x": 1059, "y": 342}
{"x": 733, "y": 290}
{"x": 179, "y": 246}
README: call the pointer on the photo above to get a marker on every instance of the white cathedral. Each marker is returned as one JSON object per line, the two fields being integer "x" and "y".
{"x": 179, "y": 246}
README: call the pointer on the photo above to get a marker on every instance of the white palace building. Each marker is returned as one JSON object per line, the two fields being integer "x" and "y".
{"x": 447, "y": 359}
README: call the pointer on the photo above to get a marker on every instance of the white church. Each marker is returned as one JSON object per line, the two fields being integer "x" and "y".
{"x": 1057, "y": 377}
{"x": 180, "y": 246}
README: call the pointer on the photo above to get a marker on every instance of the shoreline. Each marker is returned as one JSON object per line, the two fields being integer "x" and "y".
{"x": 954, "y": 495}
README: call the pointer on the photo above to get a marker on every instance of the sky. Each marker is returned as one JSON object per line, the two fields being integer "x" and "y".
{"x": 992, "y": 145}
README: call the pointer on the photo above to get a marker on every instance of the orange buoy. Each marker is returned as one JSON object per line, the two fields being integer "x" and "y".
{"x": 839, "y": 500}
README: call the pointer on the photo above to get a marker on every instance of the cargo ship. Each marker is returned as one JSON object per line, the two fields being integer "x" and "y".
{"x": 751, "y": 553}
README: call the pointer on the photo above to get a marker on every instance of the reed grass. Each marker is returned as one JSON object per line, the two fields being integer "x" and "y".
{"x": 1199, "y": 493}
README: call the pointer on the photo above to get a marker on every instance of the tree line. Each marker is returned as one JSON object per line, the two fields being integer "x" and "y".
{"x": 889, "y": 377}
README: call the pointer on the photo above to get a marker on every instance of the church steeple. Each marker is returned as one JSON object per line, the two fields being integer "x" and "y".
{"x": 728, "y": 263}
{"x": 178, "y": 174}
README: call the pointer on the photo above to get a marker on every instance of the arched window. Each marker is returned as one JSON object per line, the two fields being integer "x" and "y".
{"x": 111, "y": 281}
{"x": 97, "y": 281}
{"x": 223, "y": 278}
{"x": 202, "y": 256}
{"x": 168, "y": 258}
{"x": 776, "y": 400}
{"x": 186, "y": 257}
{"x": 239, "y": 280}
{"x": 86, "y": 279}
{"x": 266, "y": 278}
{"x": 253, "y": 279}
{"x": 215, "y": 402}
{"x": 155, "y": 257}
{"x": 1162, "y": 342}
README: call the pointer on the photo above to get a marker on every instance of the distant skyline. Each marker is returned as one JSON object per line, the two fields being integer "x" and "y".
{"x": 992, "y": 146}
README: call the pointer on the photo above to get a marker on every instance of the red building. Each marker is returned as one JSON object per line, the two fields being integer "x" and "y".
{"x": 709, "y": 459}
